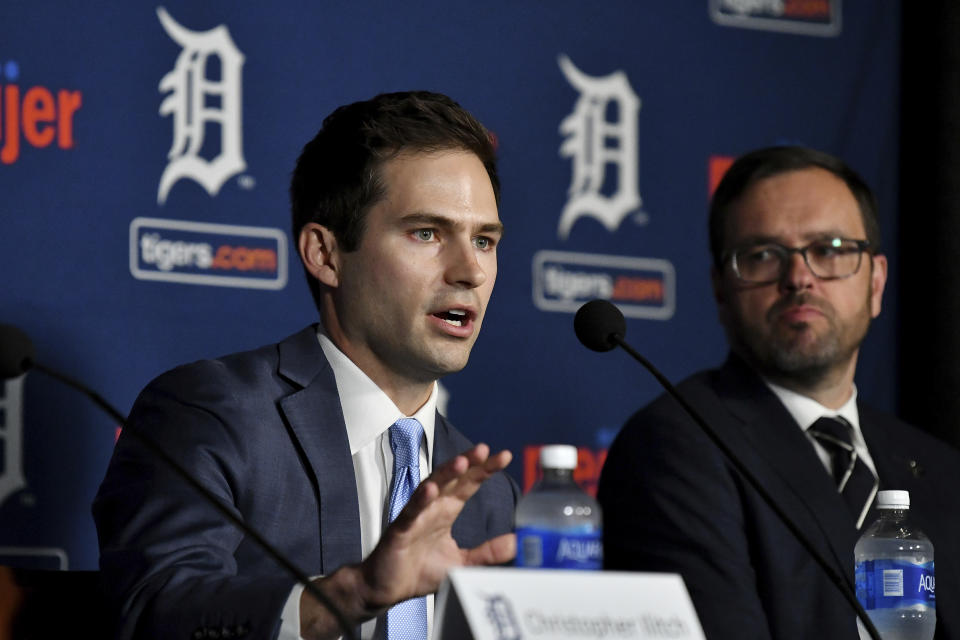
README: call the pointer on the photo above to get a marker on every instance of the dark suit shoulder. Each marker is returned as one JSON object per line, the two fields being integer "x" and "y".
{"x": 907, "y": 434}
{"x": 238, "y": 374}
{"x": 225, "y": 379}
{"x": 664, "y": 418}
{"x": 173, "y": 562}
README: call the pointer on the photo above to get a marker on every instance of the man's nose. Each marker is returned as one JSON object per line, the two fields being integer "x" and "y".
{"x": 796, "y": 273}
{"x": 463, "y": 267}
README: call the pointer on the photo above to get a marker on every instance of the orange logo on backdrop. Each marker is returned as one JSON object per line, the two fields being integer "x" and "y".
{"x": 716, "y": 167}
{"x": 587, "y": 473}
{"x": 807, "y": 8}
{"x": 244, "y": 259}
{"x": 38, "y": 114}
{"x": 636, "y": 289}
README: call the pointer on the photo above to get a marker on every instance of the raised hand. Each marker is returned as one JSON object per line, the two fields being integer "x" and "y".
{"x": 417, "y": 550}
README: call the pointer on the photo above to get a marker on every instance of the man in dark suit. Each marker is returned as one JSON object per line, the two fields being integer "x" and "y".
{"x": 797, "y": 278}
{"x": 318, "y": 441}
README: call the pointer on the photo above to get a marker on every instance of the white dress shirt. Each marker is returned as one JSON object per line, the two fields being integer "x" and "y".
{"x": 368, "y": 414}
{"x": 806, "y": 411}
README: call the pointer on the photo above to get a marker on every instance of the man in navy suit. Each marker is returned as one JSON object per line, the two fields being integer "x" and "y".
{"x": 797, "y": 278}
{"x": 395, "y": 213}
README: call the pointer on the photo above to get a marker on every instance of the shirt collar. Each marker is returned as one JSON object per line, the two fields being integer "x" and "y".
{"x": 367, "y": 410}
{"x": 806, "y": 410}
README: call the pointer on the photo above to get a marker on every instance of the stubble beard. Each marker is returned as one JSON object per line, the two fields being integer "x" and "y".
{"x": 430, "y": 358}
{"x": 797, "y": 354}
{"x": 437, "y": 363}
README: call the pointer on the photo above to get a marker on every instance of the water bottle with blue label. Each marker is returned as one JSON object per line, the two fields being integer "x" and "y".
{"x": 558, "y": 525}
{"x": 894, "y": 572}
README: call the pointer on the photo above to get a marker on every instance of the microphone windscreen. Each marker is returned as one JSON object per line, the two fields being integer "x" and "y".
{"x": 16, "y": 352}
{"x": 596, "y": 321}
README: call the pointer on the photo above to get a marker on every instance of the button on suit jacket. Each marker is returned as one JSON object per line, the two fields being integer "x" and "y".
{"x": 671, "y": 502}
{"x": 264, "y": 431}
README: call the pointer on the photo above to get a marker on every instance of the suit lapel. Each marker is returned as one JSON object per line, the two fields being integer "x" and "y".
{"x": 780, "y": 450}
{"x": 316, "y": 424}
{"x": 443, "y": 448}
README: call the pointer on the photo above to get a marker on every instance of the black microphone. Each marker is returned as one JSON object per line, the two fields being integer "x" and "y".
{"x": 596, "y": 323}
{"x": 600, "y": 326}
{"x": 17, "y": 356}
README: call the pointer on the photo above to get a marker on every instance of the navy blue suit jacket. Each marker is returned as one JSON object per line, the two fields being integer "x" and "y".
{"x": 264, "y": 431}
{"x": 671, "y": 502}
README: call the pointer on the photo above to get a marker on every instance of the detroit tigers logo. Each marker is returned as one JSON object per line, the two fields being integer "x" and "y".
{"x": 11, "y": 438}
{"x": 502, "y": 619}
{"x": 195, "y": 100}
{"x": 597, "y": 145}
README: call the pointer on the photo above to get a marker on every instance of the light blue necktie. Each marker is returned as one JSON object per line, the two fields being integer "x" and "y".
{"x": 406, "y": 620}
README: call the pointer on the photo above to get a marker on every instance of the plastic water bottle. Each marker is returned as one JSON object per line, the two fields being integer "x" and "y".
{"x": 558, "y": 525}
{"x": 894, "y": 572}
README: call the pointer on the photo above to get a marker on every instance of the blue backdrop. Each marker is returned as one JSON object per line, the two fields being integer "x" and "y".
{"x": 145, "y": 154}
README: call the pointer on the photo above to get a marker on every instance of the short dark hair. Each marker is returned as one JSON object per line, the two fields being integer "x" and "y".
{"x": 337, "y": 177}
{"x": 752, "y": 167}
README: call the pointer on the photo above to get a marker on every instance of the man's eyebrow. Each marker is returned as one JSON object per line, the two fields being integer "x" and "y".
{"x": 812, "y": 236}
{"x": 755, "y": 239}
{"x": 829, "y": 234}
{"x": 446, "y": 222}
{"x": 492, "y": 227}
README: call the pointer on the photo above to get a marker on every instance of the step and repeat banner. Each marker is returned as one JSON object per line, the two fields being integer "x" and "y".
{"x": 146, "y": 150}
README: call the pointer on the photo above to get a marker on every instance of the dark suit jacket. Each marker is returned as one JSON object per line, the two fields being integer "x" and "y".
{"x": 264, "y": 431}
{"x": 671, "y": 502}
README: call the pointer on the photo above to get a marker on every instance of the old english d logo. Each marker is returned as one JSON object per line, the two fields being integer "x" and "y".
{"x": 596, "y": 145}
{"x": 189, "y": 89}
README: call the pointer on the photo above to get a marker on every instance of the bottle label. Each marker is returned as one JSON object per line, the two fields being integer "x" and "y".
{"x": 892, "y": 584}
{"x": 552, "y": 549}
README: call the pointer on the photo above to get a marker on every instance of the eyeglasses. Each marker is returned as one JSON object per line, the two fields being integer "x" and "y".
{"x": 827, "y": 259}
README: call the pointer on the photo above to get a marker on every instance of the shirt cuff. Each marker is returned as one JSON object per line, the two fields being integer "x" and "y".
{"x": 290, "y": 616}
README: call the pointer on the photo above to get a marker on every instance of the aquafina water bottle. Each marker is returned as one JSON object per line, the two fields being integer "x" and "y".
{"x": 894, "y": 573}
{"x": 558, "y": 525}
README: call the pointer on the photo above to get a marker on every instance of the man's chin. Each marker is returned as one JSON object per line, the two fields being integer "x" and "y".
{"x": 801, "y": 355}
{"x": 805, "y": 363}
{"x": 800, "y": 364}
{"x": 444, "y": 364}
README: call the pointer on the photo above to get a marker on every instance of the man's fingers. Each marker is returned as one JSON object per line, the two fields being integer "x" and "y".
{"x": 460, "y": 478}
{"x": 451, "y": 470}
{"x": 476, "y": 464}
{"x": 499, "y": 461}
{"x": 426, "y": 493}
{"x": 477, "y": 454}
{"x": 494, "y": 551}
{"x": 467, "y": 483}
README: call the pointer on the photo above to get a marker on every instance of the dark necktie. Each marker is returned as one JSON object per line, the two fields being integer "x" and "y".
{"x": 855, "y": 481}
{"x": 406, "y": 620}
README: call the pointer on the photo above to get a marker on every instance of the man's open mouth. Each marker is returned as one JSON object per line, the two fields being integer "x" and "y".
{"x": 456, "y": 317}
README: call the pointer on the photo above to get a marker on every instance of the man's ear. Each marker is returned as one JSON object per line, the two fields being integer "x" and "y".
{"x": 878, "y": 280}
{"x": 319, "y": 253}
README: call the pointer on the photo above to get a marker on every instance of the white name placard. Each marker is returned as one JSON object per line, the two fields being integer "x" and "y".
{"x": 529, "y": 604}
